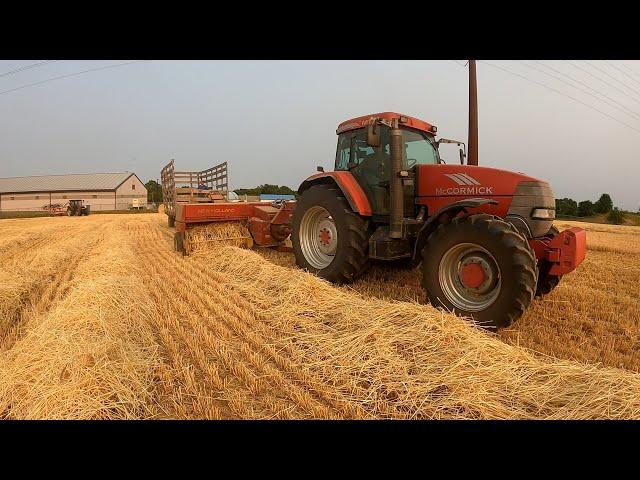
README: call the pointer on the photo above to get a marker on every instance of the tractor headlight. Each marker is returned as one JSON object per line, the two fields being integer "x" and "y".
{"x": 543, "y": 214}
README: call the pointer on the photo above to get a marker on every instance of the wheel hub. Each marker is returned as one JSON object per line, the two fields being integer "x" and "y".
{"x": 476, "y": 273}
{"x": 327, "y": 236}
{"x": 318, "y": 237}
{"x": 472, "y": 275}
{"x": 469, "y": 277}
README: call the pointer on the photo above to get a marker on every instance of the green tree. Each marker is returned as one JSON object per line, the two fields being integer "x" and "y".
{"x": 266, "y": 188}
{"x": 585, "y": 208}
{"x": 616, "y": 216}
{"x": 154, "y": 191}
{"x": 604, "y": 204}
{"x": 566, "y": 206}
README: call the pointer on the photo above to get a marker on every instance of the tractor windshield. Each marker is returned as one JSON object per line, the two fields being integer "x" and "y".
{"x": 353, "y": 150}
{"x": 371, "y": 166}
{"x": 418, "y": 150}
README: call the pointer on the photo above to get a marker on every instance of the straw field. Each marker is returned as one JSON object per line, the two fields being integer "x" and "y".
{"x": 99, "y": 318}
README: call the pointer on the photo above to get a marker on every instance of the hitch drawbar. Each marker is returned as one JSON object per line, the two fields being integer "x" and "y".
{"x": 565, "y": 251}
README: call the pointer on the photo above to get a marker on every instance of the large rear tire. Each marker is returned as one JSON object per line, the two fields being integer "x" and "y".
{"x": 547, "y": 282}
{"x": 328, "y": 238}
{"x": 479, "y": 266}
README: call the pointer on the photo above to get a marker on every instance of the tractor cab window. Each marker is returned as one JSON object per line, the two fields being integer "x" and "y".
{"x": 371, "y": 166}
{"x": 353, "y": 149}
{"x": 418, "y": 150}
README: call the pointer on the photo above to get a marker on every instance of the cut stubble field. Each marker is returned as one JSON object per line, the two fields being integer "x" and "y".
{"x": 99, "y": 318}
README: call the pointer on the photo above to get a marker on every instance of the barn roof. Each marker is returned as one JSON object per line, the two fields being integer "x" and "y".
{"x": 64, "y": 183}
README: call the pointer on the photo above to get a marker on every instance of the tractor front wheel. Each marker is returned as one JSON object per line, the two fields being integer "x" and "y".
{"x": 480, "y": 267}
{"x": 329, "y": 239}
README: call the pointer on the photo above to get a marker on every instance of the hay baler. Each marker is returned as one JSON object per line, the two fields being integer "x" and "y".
{"x": 239, "y": 223}
{"x": 194, "y": 200}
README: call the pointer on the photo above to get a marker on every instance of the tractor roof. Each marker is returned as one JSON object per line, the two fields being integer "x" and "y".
{"x": 406, "y": 120}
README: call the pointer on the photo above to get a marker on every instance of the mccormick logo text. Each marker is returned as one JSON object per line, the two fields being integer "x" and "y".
{"x": 468, "y": 186}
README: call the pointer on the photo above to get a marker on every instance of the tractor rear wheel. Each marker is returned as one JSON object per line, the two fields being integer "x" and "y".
{"x": 546, "y": 282}
{"x": 329, "y": 239}
{"x": 479, "y": 266}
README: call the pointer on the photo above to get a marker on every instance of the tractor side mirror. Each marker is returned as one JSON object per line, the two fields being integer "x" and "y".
{"x": 319, "y": 168}
{"x": 462, "y": 157}
{"x": 373, "y": 136}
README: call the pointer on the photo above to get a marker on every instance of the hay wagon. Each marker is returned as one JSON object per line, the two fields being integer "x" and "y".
{"x": 182, "y": 187}
{"x": 199, "y": 207}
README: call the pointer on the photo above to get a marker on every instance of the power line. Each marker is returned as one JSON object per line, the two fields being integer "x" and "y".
{"x": 561, "y": 93}
{"x": 623, "y": 108}
{"x": 629, "y": 69}
{"x": 575, "y": 65}
{"x": 611, "y": 76}
{"x": 27, "y": 67}
{"x": 69, "y": 75}
{"x": 623, "y": 72}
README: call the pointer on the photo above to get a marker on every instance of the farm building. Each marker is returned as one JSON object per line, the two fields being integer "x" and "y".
{"x": 102, "y": 191}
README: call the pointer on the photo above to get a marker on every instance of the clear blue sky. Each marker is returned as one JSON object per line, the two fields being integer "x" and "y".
{"x": 274, "y": 121}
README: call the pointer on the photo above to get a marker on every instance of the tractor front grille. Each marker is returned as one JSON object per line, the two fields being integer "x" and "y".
{"x": 527, "y": 197}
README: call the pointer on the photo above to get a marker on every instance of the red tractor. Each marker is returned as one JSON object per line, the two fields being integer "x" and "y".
{"x": 484, "y": 236}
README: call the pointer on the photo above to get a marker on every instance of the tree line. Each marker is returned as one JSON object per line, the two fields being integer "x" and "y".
{"x": 266, "y": 189}
{"x": 154, "y": 190}
{"x": 586, "y": 208}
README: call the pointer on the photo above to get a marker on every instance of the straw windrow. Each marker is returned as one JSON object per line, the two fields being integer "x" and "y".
{"x": 106, "y": 321}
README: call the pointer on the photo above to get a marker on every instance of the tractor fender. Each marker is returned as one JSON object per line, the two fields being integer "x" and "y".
{"x": 445, "y": 213}
{"x": 349, "y": 186}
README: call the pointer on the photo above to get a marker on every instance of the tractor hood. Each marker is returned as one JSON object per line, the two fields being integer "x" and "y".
{"x": 520, "y": 198}
{"x": 468, "y": 181}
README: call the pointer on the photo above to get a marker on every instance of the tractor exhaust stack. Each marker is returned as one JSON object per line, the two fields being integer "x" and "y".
{"x": 473, "y": 115}
{"x": 396, "y": 203}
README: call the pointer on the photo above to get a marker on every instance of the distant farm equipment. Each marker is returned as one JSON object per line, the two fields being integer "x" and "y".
{"x": 76, "y": 208}
{"x": 55, "y": 209}
{"x": 137, "y": 204}
{"x": 71, "y": 208}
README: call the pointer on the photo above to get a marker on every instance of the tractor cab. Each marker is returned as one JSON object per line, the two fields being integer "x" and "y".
{"x": 364, "y": 151}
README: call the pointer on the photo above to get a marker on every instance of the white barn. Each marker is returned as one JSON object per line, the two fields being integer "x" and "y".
{"x": 103, "y": 191}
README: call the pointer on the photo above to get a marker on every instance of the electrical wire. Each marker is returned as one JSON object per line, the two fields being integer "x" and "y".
{"x": 602, "y": 80}
{"x": 621, "y": 107}
{"x": 622, "y": 71}
{"x": 70, "y": 75}
{"x": 561, "y": 93}
{"x": 27, "y": 67}
{"x": 614, "y": 78}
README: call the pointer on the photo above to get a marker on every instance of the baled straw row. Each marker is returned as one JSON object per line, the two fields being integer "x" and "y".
{"x": 202, "y": 238}
{"x": 405, "y": 360}
{"x": 93, "y": 355}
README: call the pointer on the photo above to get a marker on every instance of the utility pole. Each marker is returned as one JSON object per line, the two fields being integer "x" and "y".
{"x": 473, "y": 115}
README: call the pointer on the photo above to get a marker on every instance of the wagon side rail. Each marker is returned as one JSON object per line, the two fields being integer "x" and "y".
{"x": 167, "y": 175}
{"x": 181, "y": 186}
